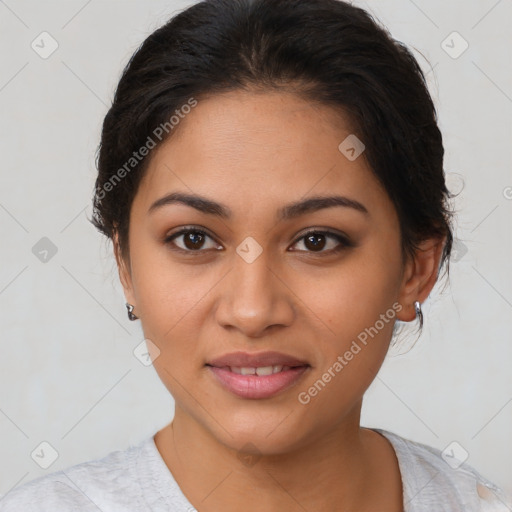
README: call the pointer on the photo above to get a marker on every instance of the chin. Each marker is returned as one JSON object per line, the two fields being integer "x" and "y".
{"x": 271, "y": 435}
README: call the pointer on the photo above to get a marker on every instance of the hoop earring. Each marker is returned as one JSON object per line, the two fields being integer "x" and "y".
{"x": 419, "y": 313}
{"x": 131, "y": 315}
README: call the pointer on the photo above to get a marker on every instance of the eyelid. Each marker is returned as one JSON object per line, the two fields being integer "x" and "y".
{"x": 169, "y": 238}
{"x": 190, "y": 227}
{"x": 324, "y": 231}
{"x": 342, "y": 238}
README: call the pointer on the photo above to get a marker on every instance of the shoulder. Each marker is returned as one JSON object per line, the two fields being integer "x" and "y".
{"x": 89, "y": 486}
{"x": 433, "y": 479}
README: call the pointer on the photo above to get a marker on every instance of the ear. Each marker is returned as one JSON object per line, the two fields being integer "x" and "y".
{"x": 124, "y": 272}
{"x": 420, "y": 276}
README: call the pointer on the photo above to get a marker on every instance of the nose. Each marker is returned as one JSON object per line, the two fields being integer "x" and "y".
{"x": 254, "y": 298}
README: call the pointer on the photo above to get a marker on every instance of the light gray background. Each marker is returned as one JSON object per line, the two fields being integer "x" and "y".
{"x": 68, "y": 373}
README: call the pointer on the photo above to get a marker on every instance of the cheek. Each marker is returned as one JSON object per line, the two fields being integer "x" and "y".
{"x": 166, "y": 291}
{"x": 351, "y": 296}
{"x": 350, "y": 348}
{"x": 171, "y": 299}
{"x": 353, "y": 310}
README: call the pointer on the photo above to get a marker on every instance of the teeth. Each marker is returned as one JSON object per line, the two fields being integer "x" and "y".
{"x": 261, "y": 370}
{"x": 264, "y": 370}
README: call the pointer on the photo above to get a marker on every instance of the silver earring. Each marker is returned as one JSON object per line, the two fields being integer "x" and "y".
{"x": 419, "y": 314}
{"x": 131, "y": 315}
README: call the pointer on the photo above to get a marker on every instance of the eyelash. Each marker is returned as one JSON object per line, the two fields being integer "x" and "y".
{"x": 344, "y": 242}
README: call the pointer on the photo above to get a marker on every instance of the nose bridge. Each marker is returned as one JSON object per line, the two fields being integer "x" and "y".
{"x": 253, "y": 297}
{"x": 253, "y": 284}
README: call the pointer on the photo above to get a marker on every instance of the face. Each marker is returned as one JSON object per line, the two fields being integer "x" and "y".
{"x": 322, "y": 284}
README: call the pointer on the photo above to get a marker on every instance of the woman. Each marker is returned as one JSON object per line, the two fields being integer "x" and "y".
{"x": 271, "y": 176}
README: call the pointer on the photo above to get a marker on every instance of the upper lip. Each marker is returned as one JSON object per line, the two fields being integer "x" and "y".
{"x": 260, "y": 359}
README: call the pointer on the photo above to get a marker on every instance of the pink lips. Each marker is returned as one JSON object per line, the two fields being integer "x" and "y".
{"x": 254, "y": 386}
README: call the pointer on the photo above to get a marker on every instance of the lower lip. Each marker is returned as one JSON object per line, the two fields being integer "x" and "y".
{"x": 252, "y": 386}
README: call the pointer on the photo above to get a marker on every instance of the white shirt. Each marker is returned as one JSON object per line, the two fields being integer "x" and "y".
{"x": 137, "y": 479}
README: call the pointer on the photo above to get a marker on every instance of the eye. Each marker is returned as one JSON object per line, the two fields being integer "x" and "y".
{"x": 316, "y": 241}
{"x": 192, "y": 240}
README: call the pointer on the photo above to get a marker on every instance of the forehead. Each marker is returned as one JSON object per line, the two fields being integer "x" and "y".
{"x": 254, "y": 148}
{"x": 238, "y": 121}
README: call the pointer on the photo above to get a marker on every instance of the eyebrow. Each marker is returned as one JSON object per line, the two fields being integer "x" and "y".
{"x": 290, "y": 211}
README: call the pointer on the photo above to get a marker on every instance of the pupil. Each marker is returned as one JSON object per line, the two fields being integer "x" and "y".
{"x": 193, "y": 240}
{"x": 315, "y": 245}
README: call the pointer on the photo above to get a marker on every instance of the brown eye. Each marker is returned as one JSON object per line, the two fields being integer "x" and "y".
{"x": 317, "y": 241}
{"x": 192, "y": 240}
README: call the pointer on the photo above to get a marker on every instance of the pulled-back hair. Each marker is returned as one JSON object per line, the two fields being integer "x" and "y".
{"x": 325, "y": 51}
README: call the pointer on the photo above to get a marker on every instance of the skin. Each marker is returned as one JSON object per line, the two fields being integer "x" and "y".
{"x": 255, "y": 153}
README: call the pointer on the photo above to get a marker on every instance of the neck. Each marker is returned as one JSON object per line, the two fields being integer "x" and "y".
{"x": 334, "y": 471}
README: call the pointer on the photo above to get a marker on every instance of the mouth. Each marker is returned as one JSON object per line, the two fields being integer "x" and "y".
{"x": 257, "y": 376}
{"x": 260, "y": 371}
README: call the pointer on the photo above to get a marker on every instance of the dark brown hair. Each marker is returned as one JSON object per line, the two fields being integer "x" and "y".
{"x": 327, "y": 51}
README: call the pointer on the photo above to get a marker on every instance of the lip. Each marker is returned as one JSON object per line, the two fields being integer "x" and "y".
{"x": 246, "y": 359}
{"x": 254, "y": 386}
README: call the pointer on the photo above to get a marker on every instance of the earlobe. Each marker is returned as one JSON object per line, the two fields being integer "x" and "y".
{"x": 420, "y": 276}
